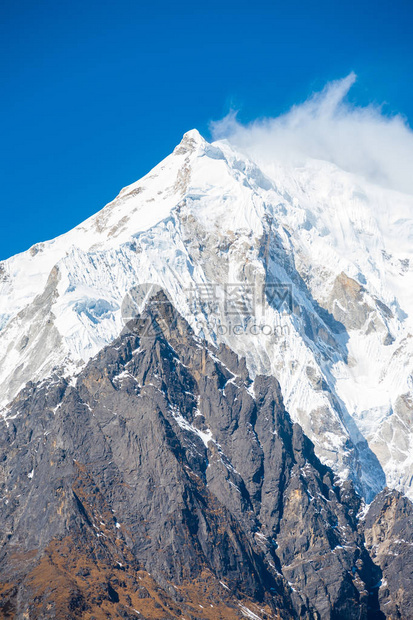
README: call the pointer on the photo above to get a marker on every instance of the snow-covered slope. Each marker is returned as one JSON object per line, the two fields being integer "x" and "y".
{"x": 207, "y": 217}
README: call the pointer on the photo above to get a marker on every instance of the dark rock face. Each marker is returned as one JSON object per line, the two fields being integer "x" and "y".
{"x": 161, "y": 481}
{"x": 388, "y": 530}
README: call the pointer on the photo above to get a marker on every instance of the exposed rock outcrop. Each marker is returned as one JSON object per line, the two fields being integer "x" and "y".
{"x": 388, "y": 530}
{"x": 163, "y": 483}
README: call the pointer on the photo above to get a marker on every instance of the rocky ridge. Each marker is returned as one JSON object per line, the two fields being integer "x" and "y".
{"x": 163, "y": 482}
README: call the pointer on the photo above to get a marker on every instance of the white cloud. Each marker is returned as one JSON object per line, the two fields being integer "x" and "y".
{"x": 357, "y": 139}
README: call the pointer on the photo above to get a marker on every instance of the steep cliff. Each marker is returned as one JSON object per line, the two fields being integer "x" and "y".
{"x": 163, "y": 482}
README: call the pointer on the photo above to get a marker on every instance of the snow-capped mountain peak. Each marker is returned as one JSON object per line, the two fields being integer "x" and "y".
{"x": 207, "y": 218}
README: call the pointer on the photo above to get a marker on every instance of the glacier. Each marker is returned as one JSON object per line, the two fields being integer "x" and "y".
{"x": 208, "y": 216}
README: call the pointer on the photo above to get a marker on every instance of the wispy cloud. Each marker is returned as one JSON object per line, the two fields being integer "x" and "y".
{"x": 358, "y": 139}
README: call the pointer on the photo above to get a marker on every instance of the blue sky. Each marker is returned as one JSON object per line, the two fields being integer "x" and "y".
{"x": 95, "y": 93}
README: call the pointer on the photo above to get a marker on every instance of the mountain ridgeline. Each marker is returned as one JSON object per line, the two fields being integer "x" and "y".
{"x": 163, "y": 482}
{"x": 208, "y": 221}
